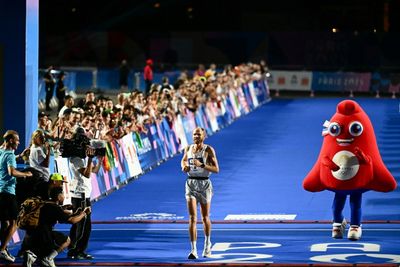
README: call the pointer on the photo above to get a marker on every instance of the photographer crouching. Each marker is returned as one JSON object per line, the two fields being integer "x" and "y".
{"x": 81, "y": 154}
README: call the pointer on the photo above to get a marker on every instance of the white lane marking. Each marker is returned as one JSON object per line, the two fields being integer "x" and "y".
{"x": 259, "y": 217}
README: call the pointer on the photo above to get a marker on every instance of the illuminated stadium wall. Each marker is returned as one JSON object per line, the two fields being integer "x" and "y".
{"x": 31, "y": 66}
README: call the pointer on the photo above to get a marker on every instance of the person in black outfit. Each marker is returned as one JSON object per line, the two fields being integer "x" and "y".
{"x": 123, "y": 75}
{"x": 49, "y": 86}
{"x": 44, "y": 242}
{"x": 165, "y": 84}
{"x": 89, "y": 97}
{"x": 60, "y": 90}
{"x": 36, "y": 187}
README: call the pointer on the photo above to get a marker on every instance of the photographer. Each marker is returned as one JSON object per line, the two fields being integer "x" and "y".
{"x": 81, "y": 189}
{"x": 43, "y": 241}
{"x": 38, "y": 154}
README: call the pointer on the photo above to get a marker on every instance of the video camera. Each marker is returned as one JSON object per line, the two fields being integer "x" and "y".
{"x": 76, "y": 147}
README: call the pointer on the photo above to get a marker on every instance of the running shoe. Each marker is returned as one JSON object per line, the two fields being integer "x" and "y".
{"x": 338, "y": 229}
{"x": 207, "y": 250}
{"x": 29, "y": 258}
{"x": 354, "y": 232}
{"x": 193, "y": 255}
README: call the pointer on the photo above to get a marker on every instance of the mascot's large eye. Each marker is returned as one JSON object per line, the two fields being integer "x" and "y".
{"x": 334, "y": 129}
{"x": 356, "y": 128}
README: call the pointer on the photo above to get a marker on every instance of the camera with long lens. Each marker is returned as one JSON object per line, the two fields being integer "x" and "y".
{"x": 76, "y": 146}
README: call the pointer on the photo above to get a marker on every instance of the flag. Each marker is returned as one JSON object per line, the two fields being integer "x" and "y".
{"x": 138, "y": 140}
{"x": 110, "y": 156}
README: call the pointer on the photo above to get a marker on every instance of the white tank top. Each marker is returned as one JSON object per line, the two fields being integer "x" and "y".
{"x": 202, "y": 157}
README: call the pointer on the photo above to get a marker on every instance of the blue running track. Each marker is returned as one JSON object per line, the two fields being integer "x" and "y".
{"x": 263, "y": 159}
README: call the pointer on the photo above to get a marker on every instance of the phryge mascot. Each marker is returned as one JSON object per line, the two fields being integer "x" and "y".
{"x": 349, "y": 163}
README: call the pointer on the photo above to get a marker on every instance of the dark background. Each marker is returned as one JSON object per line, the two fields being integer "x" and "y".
{"x": 183, "y": 33}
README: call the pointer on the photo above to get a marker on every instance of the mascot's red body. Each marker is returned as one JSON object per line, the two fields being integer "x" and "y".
{"x": 349, "y": 158}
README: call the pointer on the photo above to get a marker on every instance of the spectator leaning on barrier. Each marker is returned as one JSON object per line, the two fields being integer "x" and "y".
{"x": 62, "y": 127}
{"x": 88, "y": 125}
{"x": 90, "y": 107}
{"x": 45, "y": 124}
{"x": 117, "y": 112}
{"x": 76, "y": 117}
{"x": 109, "y": 104}
{"x": 101, "y": 103}
{"x": 81, "y": 189}
{"x": 8, "y": 201}
{"x": 89, "y": 97}
{"x": 68, "y": 103}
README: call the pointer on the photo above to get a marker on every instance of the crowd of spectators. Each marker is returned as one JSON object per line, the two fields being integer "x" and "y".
{"x": 103, "y": 118}
{"x": 109, "y": 118}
